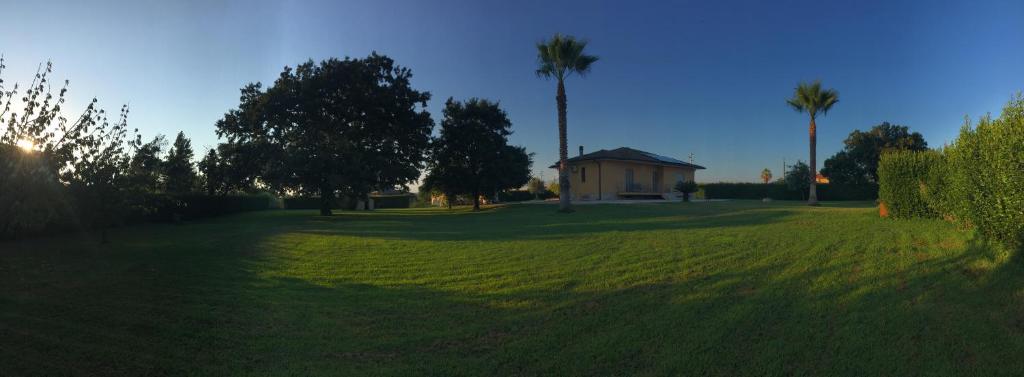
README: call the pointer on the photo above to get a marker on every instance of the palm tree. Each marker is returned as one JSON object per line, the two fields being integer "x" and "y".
{"x": 810, "y": 98}
{"x": 560, "y": 57}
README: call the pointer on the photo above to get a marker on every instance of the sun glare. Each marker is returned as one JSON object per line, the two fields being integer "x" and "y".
{"x": 26, "y": 145}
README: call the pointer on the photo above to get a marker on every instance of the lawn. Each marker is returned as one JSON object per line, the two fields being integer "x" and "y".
{"x": 730, "y": 288}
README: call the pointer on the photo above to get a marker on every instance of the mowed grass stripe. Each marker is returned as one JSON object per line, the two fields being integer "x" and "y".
{"x": 732, "y": 288}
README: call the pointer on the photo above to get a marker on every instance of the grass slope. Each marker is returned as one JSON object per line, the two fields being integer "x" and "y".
{"x": 733, "y": 288}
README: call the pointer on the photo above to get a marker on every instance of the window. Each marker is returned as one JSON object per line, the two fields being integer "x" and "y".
{"x": 583, "y": 174}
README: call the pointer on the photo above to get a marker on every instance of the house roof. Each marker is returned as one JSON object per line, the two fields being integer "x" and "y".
{"x": 630, "y": 154}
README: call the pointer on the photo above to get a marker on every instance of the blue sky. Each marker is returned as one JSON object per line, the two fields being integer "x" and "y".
{"x": 701, "y": 77}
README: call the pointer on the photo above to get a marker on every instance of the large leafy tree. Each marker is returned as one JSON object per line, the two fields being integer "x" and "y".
{"x": 178, "y": 168}
{"x": 812, "y": 99}
{"x": 471, "y": 155}
{"x": 341, "y": 126}
{"x": 558, "y": 58}
{"x": 857, "y": 163}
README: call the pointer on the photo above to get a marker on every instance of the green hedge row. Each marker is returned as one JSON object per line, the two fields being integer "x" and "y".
{"x": 978, "y": 181}
{"x": 312, "y": 202}
{"x": 161, "y": 208}
{"x": 779, "y": 191}
{"x": 523, "y": 195}
{"x": 903, "y": 177}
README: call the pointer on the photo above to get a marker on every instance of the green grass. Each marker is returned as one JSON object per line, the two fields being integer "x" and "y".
{"x": 732, "y": 288}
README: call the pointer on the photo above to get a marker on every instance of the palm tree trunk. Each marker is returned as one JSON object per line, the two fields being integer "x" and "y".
{"x": 812, "y": 197}
{"x": 563, "y": 152}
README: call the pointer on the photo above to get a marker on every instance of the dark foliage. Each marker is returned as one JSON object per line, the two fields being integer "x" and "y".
{"x": 471, "y": 155}
{"x": 781, "y": 191}
{"x": 686, "y": 188}
{"x": 343, "y": 126}
{"x": 857, "y": 163}
{"x": 178, "y": 169}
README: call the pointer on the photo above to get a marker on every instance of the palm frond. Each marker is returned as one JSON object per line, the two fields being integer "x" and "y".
{"x": 810, "y": 98}
{"x": 563, "y": 55}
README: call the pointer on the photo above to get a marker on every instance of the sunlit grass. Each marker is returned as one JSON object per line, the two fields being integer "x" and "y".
{"x": 735, "y": 288}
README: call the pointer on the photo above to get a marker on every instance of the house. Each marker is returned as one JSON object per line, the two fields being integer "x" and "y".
{"x": 625, "y": 173}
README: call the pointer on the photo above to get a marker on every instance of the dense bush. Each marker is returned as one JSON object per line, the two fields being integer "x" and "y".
{"x": 524, "y": 195}
{"x": 197, "y": 206}
{"x": 780, "y": 191}
{"x": 986, "y": 175}
{"x": 978, "y": 181}
{"x": 313, "y": 202}
{"x": 392, "y": 201}
{"x": 903, "y": 187}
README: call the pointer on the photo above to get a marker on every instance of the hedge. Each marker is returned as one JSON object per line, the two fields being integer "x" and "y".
{"x": 312, "y": 202}
{"x": 903, "y": 177}
{"x": 523, "y": 196}
{"x": 977, "y": 182}
{"x": 384, "y": 201}
{"x": 197, "y": 206}
{"x": 986, "y": 175}
{"x": 779, "y": 191}
{"x": 393, "y": 201}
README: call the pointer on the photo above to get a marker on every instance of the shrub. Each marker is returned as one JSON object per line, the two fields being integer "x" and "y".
{"x": 903, "y": 176}
{"x": 393, "y": 201}
{"x": 686, "y": 187}
{"x": 313, "y": 202}
{"x": 524, "y": 195}
{"x": 197, "y": 206}
{"x": 780, "y": 191}
{"x": 985, "y": 180}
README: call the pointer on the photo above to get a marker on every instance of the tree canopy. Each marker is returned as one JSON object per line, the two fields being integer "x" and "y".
{"x": 471, "y": 155}
{"x": 857, "y": 163}
{"x": 341, "y": 126}
{"x": 178, "y": 168}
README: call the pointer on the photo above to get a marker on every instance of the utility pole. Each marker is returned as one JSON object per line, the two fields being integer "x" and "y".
{"x": 691, "y": 158}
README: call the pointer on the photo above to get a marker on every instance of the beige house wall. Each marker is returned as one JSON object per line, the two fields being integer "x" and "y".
{"x": 608, "y": 177}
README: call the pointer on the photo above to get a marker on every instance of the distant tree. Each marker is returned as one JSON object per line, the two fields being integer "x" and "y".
{"x": 512, "y": 169}
{"x": 536, "y": 187}
{"x": 559, "y": 58}
{"x": 213, "y": 174}
{"x": 341, "y": 126}
{"x": 799, "y": 177}
{"x": 471, "y": 154}
{"x": 145, "y": 170}
{"x": 554, "y": 187}
{"x": 687, "y": 188}
{"x": 766, "y": 176}
{"x": 857, "y": 163}
{"x": 178, "y": 169}
{"x": 810, "y": 98}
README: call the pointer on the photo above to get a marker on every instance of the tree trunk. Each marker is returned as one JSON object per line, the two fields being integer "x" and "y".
{"x": 564, "y": 202}
{"x": 812, "y": 196}
{"x": 326, "y": 195}
{"x": 476, "y": 200}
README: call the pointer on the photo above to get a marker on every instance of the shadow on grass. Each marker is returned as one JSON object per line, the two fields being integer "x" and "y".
{"x": 224, "y": 305}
